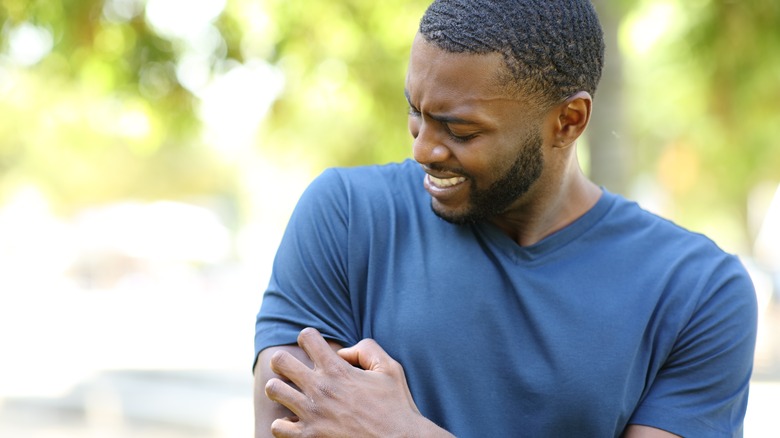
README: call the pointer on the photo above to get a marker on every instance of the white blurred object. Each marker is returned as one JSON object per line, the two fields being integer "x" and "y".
{"x": 159, "y": 231}
{"x": 36, "y": 248}
{"x": 761, "y": 418}
{"x": 765, "y": 340}
{"x": 28, "y": 44}
{"x": 767, "y": 245}
{"x": 166, "y": 16}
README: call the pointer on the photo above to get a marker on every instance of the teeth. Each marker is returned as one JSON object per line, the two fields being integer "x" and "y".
{"x": 449, "y": 182}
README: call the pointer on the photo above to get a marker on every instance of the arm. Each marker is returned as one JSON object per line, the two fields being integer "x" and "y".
{"x": 637, "y": 431}
{"x": 337, "y": 398}
{"x": 266, "y": 410}
{"x": 702, "y": 387}
{"x": 369, "y": 356}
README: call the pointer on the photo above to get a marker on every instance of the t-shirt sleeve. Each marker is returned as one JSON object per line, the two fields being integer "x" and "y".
{"x": 308, "y": 285}
{"x": 702, "y": 388}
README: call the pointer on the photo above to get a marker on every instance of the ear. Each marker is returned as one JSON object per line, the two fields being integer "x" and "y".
{"x": 573, "y": 116}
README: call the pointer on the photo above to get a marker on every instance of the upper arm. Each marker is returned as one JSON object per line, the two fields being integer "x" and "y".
{"x": 266, "y": 411}
{"x": 309, "y": 284}
{"x": 639, "y": 431}
{"x": 308, "y": 288}
{"x": 702, "y": 388}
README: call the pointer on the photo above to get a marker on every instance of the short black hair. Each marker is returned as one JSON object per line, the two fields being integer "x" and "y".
{"x": 552, "y": 48}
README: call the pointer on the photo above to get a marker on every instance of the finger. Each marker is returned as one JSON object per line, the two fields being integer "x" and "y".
{"x": 286, "y": 395}
{"x": 286, "y": 428}
{"x": 367, "y": 354}
{"x": 318, "y": 349}
{"x": 291, "y": 369}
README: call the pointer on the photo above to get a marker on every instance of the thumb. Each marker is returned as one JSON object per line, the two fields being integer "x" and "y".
{"x": 367, "y": 354}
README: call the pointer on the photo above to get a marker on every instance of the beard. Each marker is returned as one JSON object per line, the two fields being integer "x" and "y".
{"x": 508, "y": 187}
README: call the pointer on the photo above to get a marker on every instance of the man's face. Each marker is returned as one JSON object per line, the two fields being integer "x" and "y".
{"x": 480, "y": 147}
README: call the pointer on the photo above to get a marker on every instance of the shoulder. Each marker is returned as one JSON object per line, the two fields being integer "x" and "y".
{"x": 402, "y": 176}
{"x": 361, "y": 186}
{"x": 654, "y": 233}
{"x": 691, "y": 264}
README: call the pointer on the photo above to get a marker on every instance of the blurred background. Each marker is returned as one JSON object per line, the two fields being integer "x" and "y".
{"x": 151, "y": 152}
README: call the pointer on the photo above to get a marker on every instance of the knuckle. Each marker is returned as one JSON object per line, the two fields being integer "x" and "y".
{"x": 368, "y": 342}
{"x": 336, "y": 368}
{"x": 395, "y": 367}
{"x": 326, "y": 390}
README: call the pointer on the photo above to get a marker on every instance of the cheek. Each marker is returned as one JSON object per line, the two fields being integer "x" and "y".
{"x": 480, "y": 162}
{"x": 490, "y": 161}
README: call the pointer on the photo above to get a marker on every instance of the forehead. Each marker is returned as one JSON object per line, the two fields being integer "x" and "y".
{"x": 436, "y": 74}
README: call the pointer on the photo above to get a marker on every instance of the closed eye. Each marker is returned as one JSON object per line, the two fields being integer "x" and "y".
{"x": 459, "y": 138}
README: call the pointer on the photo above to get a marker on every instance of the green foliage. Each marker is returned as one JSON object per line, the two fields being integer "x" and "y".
{"x": 344, "y": 63}
{"x": 105, "y": 114}
{"x": 704, "y": 101}
{"x": 736, "y": 45}
{"x": 102, "y": 115}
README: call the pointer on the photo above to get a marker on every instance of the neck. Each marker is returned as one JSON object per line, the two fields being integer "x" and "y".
{"x": 549, "y": 206}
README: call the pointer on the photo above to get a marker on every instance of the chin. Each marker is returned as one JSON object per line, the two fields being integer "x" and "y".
{"x": 454, "y": 216}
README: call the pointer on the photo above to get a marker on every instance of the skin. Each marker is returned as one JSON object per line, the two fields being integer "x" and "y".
{"x": 465, "y": 126}
{"x": 442, "y": 87}
{"x": 267, "y": 410}
{"x": 357, "y": 391}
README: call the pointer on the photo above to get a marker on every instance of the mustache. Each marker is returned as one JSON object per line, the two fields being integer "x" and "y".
{"x": 436, "y": 167}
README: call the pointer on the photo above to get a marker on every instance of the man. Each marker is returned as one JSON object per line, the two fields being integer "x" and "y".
{"x": 529, "y": 301}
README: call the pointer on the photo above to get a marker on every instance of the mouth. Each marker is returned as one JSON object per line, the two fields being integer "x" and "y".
{"x": 449, "y": 192}
{"x": 444, "y": 183}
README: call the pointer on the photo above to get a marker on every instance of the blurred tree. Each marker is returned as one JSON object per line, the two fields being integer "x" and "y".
{"x": 345, "y": 64}
{"x": 737, "y": 45}
{"x": 705, "y": 77}
{"x": 92, "y": 106}
{"x": 609, "y": 141}
{"x": 108, "y": 106}
{"x": 102, "y": 98}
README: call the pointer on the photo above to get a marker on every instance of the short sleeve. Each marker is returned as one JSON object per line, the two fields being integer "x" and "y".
{"x": 702, "y": 388}
{"x": 308, "y": 285}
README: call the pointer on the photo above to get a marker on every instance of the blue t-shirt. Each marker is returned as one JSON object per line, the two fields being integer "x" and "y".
{"x": 619, "y": 318}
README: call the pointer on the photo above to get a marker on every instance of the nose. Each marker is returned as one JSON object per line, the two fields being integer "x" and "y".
{"x": 427, "y": 147}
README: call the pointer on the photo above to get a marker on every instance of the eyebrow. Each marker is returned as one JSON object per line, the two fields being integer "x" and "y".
{"x": 440, "y": 117}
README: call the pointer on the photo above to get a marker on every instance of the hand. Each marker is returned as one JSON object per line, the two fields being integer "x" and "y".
{"x": 336, "y": 399}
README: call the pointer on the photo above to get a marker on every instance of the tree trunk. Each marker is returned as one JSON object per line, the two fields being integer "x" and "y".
{"x": 608, "y": 136}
